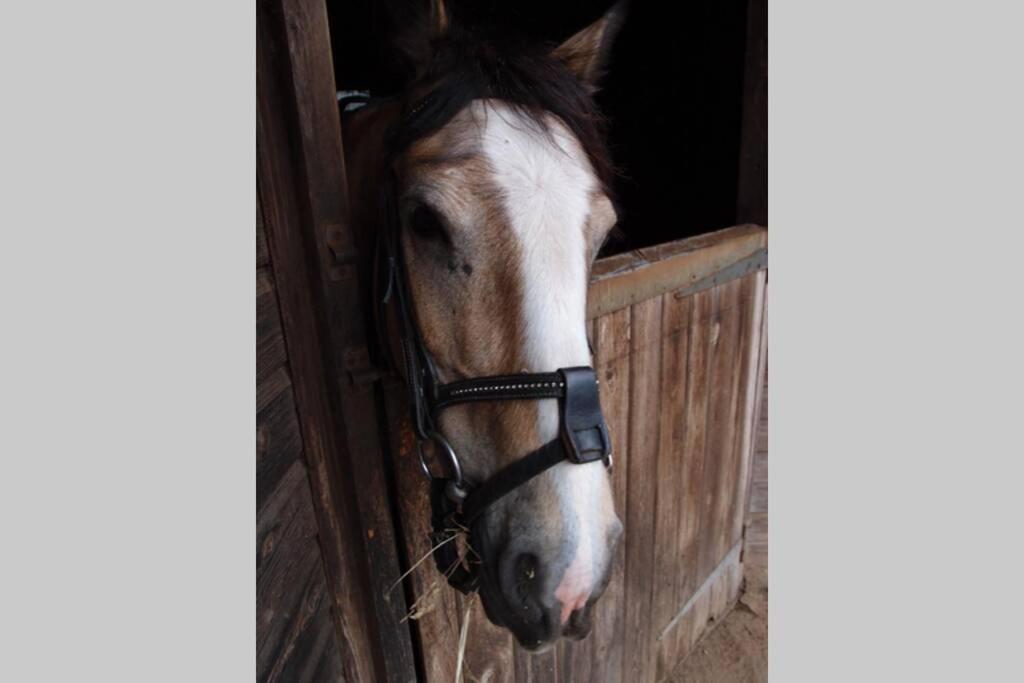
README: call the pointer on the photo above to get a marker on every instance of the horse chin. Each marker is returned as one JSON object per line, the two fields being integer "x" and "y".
{"x": 534, "y": 638}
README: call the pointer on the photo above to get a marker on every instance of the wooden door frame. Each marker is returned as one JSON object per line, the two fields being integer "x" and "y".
{"x": 301, "y": 187}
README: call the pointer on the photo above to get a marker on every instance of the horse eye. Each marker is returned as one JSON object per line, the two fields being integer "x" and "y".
{"x": 426, "y": 225}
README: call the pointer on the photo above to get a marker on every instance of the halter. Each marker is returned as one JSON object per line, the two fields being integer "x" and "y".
{"x": 456, "y": 504}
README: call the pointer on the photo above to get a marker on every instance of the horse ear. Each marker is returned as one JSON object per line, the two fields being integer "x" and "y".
{"x": 438, "y": 17}
{"x": 423, "y": 24}
{"x": 586, "y": 53}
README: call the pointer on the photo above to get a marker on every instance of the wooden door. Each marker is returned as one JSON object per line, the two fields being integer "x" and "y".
{"x": 677, "y": 334}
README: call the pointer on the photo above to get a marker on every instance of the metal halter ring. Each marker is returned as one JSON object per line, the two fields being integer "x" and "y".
{"x": 455, "y": 488}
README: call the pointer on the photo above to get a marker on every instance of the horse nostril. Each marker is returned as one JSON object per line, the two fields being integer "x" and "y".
{"x": 521, "y": 585}
{"x": 525, "y": 604}
{"x": 526, "y": 573}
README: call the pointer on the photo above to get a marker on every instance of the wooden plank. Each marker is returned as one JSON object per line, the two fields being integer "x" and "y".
{"x": 262, "y": 253}
{"x": 335, "y": 287}
{"x": 642, "y": 473}
{"x": 710, "y": 468}
{"x": 756, "y": 539}
{"x": 718, "y": 466}
{"x": 278, "y": 443}
{"x": 751, "y": 305}
{"x": 699, "y": 621}
{"x": 301, "y": 181}
{"x": 712, "y": 600}
{"x": 313, "y": 655}
{"x": 612, "y": 343}
{"x": 289, "y": 577}
{"x": 626, "y": 279}
{"x": 665, "y": 589}
{"x": 278, "y": 181}
{"x": 755, "y": 536}
{"x": 695, "y": 443}
{"x": 758, "y": 501}
{"x": 270, "y": 351}
{"x": 759, "y": 464}
{"x": 295, "y": 630}
{"x": 277, "y": 510}
{"x": 690, "y": 472}
{"x": 538, "y": 668}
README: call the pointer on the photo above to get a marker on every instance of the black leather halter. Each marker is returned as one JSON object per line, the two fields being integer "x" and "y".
{"x": 457, "y": 504}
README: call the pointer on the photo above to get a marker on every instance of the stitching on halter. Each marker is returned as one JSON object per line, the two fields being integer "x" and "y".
{"x": 508, "y": 387}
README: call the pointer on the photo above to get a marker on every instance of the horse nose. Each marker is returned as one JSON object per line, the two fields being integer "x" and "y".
{"x": 543, "y": 611}
{"x": 550, "y": 591}
{"x": 534, "y": 619}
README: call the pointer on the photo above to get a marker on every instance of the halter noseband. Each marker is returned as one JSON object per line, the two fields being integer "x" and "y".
{"x": 583, "y": 435}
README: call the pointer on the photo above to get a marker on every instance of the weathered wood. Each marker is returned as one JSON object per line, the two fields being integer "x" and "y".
{"x": 751, "y": 347}
{"x": 270, "y": 352}
{"x": 642, "y": 473}
{"x": 712, "y": 600}
{"x": 313, "y": 655}
{"x": 755, "y": 535}
{"x": 539, "y": 668}
{"x": 295, "y": 632}
{"x": 262, "y": 254}
{"x": 756, "y": 541}
{"x": 759, "y": 447}
{"x": 276, "y": 510}
{"x": 289, "y": 586}
{"x": 733, "y": 475}
{"x": 670, "y": 485}
{"x": 695, "y": 445}
{"x": 722, "y": 401}
{"x": 626, "y": 279}
{"x": 669, "y": 556}
{"x": 278, "y": 443}
{"x": 692, "y": 452}
{"x": 304, "y": 210}
{"x": 301, "y": 197}
{"x": 334, "y": 283}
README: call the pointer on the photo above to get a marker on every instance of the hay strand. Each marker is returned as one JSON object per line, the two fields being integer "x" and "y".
{"x": 460, "y": 660}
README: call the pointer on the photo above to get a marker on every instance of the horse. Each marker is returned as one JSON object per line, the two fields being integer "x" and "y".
{"x": 486, "y": 185}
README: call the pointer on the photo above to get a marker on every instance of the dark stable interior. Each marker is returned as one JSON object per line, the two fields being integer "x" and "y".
{"x": 674, "y": 95}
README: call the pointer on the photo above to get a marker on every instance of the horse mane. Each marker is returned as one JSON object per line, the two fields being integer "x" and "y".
{"x": 463, "y": 66}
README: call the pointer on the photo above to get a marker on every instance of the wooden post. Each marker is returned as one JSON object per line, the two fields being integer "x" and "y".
{"x": 301, "y": 174}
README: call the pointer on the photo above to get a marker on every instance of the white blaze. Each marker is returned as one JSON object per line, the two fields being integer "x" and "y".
{"x": 548, "y": 184}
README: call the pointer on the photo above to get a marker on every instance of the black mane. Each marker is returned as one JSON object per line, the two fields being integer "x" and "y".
{"x": 464, "y": 67}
